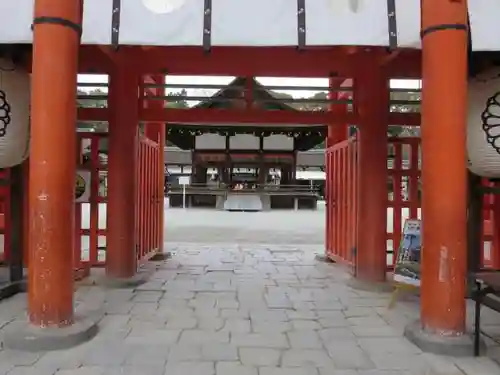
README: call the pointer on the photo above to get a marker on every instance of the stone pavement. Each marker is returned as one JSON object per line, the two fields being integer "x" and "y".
{"x": 243, "y": 309}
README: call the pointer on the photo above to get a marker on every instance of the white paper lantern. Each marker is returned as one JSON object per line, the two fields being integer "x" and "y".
{"x": 483, "y": 131}
{"x": 14, "y": 114}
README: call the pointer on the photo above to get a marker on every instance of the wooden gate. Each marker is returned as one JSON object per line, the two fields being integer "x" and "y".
{"x": 341, "y": 201}
{"x": 91, "y": 216}
{"x": 403, "y": 190}
{"x": 341, "y": 196}
{"x": 149, "y": 200}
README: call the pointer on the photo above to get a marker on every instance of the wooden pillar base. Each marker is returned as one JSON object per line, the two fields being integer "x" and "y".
{"x": 28, "y": 338}
{"x": 453, "y": 346}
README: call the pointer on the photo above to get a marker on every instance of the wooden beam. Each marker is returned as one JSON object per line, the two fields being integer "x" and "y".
{"x": 93, "y": 60}
{"x": 249, "y": 116}
{"x": 251, "y": 61}
{"x": 389, "y": 57}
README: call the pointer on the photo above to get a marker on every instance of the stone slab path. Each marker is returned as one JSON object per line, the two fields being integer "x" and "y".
{"x": 243, "y": 309}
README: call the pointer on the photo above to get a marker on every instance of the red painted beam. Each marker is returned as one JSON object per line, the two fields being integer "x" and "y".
{"x": 94, "y": 60}
{"x": 149, "y": 80}
{"x": 252, "y": 61}
{"x": 249, "y": 116}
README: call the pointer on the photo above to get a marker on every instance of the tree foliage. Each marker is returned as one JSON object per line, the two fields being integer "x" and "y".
{"x": 401, "y": 101}
{"x": 97, "y": 98}
{"x": 92, "y": 99}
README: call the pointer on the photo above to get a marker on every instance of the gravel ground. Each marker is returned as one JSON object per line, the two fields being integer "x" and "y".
{"x": 276, "y": 227}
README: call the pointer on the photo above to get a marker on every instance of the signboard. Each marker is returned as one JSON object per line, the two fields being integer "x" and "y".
{"x": 82, "y": 188}
{"x": 184, "y": 180}
{"x": 407, "y": 269}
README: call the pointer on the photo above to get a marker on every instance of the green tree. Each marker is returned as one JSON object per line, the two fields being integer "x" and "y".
{"x": 177, "y": 99}
{"x": 92, "y": 99}
{"x": 99, "y": 99}
{"x": 405, "y": 102}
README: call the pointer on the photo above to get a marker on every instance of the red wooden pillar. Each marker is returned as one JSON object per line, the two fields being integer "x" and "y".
{"x": 52, "y": 163}
{"x": 121, "y": 258}
{"x": 157, "y": 132}
{"x": 372, "y": 104}
{"x": 444, "y": 177}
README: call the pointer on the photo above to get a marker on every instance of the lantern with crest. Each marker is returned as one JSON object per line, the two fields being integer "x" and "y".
{"x": 14, "y": 113}
{"x": 483, "y": 133}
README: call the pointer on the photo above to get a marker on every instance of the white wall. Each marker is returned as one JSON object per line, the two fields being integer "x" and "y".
{"x": 210, "y": 142}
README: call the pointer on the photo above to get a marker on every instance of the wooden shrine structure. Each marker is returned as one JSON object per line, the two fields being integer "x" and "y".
{"x": 241, "y": 166}
{"x": 139, "y": 49}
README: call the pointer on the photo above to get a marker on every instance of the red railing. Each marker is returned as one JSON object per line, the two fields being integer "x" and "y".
{"x": 341, "y": 192}
{"x": 5, "y": 231}
{"x": 403, "y": 190}
{"x": 490, "y": 234}
{"x": 90, "y": 246}
{"x": 149, "y": 200}
{"x": 404, "y": 194}
{"x": 90, "y": 217}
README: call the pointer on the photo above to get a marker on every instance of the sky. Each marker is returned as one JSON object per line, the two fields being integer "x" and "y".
{"x": 266, "y": 81}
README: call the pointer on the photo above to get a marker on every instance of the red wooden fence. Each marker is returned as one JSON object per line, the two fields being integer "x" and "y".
{"x": 90, "y": 246}
{"x": 341, "y": 193}
{"x": 490, "y": 236}
{"x": 5, "y": 231}
{"x": 90, "y": 217}
{"x": 149, "y": 200}
{"x": 403, "y": 189}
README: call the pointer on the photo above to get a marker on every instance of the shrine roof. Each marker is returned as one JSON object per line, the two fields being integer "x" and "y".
{"x": 231, "y": 96}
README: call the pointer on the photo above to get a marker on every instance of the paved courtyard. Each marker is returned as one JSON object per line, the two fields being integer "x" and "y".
{"x": 240, "y": 298}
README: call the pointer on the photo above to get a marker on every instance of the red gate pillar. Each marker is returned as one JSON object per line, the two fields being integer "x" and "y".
{"x": 121, "y": 257}
{"x": 52, "y": 176}
{"x": 372, "y": 103}
{"x": 444, "y": 177}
